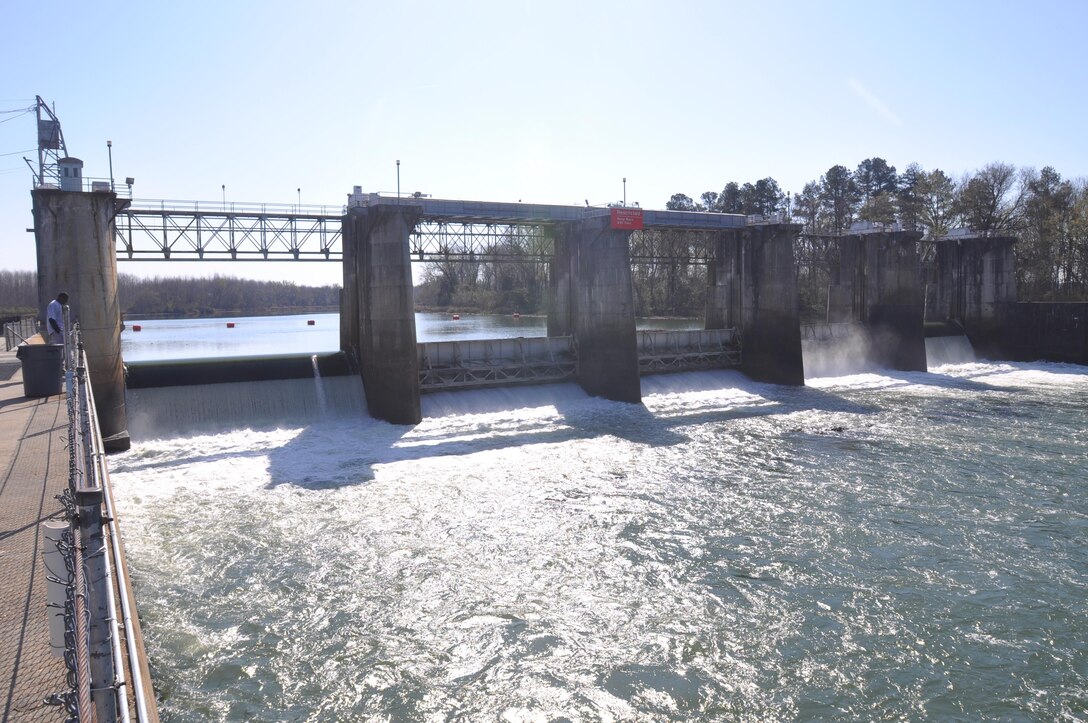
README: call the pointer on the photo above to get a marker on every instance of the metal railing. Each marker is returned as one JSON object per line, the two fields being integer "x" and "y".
{"x": 16, "y": 332}
{"x": 246, "y": 208}
{"x": 86, "y": 184}
{"x": 97, "y": 599}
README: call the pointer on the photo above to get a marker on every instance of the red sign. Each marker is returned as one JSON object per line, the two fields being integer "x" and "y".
{"x": 627, "y": 218}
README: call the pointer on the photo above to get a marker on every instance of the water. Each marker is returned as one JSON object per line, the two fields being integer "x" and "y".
{"x": 878, "y": 546}
{"x": 160, "y": 339}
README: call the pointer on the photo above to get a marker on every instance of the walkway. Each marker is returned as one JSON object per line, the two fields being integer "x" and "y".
{"x": 33, "y": 469}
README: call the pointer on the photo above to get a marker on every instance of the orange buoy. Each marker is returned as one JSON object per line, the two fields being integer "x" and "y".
{"x": 310, "y": 322}
{"x": 230, "y": 324}
{"x": 136, "y": 327}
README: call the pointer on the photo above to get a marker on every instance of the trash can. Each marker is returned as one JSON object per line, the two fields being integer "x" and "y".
{"x": 43, "y": 368}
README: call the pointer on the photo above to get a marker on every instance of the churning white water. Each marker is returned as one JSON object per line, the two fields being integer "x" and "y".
{"x": 869, "y": 547}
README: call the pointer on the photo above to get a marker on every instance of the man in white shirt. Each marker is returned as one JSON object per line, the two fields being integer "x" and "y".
{"x": 54, "y": 318}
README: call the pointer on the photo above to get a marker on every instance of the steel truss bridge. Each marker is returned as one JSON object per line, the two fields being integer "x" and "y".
{"x": 447, "y": 231}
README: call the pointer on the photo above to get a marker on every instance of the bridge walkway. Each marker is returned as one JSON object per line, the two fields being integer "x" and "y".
{"x": 33, "y": 469}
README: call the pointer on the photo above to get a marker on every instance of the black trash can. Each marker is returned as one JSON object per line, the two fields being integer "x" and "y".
{"x": 43, "y": 368}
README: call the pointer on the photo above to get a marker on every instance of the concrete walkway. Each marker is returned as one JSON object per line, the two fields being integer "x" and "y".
{"x": 33, "y": 469}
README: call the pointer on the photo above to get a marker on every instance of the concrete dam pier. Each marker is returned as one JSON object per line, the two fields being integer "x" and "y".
{"x": 591, "y": 313}
{"x": 752, "y": 311}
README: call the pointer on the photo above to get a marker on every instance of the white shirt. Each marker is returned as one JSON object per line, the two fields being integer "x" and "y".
{"x": 55, "y": 312}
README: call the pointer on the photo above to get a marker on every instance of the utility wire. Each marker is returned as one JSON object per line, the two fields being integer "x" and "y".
{"x": 15, "y": 153}
{"x": 20, "y": 114}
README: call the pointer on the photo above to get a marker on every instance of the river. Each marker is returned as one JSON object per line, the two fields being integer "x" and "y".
{"x": 872, "y": 546}
{"x": 256, "y": 335}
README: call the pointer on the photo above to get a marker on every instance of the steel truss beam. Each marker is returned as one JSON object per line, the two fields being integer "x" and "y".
{"x": 479, "y": 242}
{"x": 672, "y": 246}
{"x": 147, "y": 233}
{"x": 164, "y": 234}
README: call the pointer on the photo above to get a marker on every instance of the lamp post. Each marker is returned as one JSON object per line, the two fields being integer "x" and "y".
{"x": 109, "y": 149}
{"x": 625, "y": 191}
{"x": 398, "y": 180}
{"x": 224, "y": 197}
{"x": 299, "y": 209}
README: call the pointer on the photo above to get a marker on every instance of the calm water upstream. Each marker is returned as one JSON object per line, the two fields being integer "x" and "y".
{"x": 877, "y": 546}
{"x": 256, "y": 335}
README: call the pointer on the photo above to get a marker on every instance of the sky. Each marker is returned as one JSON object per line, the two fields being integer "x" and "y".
{"x": 546, "y": 102}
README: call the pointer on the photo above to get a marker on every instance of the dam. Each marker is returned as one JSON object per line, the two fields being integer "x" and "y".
{"x": 589, "y": 528}
{"x": 727, "y": 547}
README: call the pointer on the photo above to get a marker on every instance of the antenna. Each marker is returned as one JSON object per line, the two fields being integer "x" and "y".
{"x": 50, "y": 144}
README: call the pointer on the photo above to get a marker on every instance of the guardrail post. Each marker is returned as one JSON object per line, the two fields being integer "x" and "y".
{"x": 89, "y": 506}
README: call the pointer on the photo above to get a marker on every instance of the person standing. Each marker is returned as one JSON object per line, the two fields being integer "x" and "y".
{"x": 54, "y": 318}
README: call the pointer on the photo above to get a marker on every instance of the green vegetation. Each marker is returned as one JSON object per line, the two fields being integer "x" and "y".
{"x": 1046, "y": 213}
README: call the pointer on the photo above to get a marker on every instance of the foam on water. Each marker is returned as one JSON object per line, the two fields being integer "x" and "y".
{"x": 872, "y": 546}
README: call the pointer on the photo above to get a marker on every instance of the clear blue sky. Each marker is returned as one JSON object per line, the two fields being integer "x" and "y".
{"x": 549, "y": 102}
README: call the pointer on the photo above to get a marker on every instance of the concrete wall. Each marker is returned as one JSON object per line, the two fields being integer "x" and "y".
{"x": 1053, "y": 331}
{"x": 75, "y": 244}
{"x": 976, "y": 285}
{"x": 878, "y": 283}
{"x": 560, "y": 321}
{"x": 753, "y": 286}
{"x": 352, "y": 234}
{"x": 380, "y": 330}
{"x": 602, "y": 309}
{"x": 724, "y": 273}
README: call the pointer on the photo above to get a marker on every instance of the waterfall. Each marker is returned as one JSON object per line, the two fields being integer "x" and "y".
{"x": 207, "y": 408}
{"x": 319, "y": 387}
{"x": 941, "y": 350}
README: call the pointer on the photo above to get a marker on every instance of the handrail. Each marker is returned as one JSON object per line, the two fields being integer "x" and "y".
{"x": 21, "y": 329}
{"x": 90, "y": 491}
{"x": 247, "y": 208}
{"x": 120, "y": 577}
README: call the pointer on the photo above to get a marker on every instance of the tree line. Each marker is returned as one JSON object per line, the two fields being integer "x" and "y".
{"x": 518, "y": 283}
{"x": 1046, "y": 213}
{"x": 18, "y": 294}
{"x": 182, "y": 296}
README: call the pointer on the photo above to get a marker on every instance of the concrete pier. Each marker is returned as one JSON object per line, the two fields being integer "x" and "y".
{"x": 74, "y": 233}
{"x": 592, "y": 271}
{"x": 752, "y": 285}
{"x": 559, "y": 282}
{"x": 878, "y": 283}
{"x": 379, "y": 326}
{"x": 976, "y": 286}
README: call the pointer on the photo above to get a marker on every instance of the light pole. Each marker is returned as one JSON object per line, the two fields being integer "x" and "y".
{"x": 299, "y": 209}
{"x": 625, "y": 191}
{"x": 109, "y": 149}
{"x": 398, "y": 180}
{"x": 224, "y": 197}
